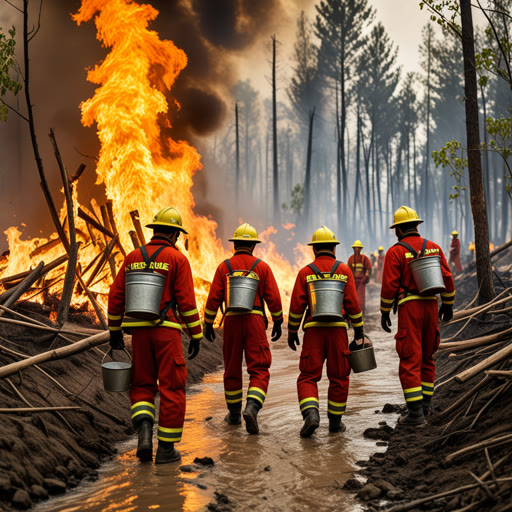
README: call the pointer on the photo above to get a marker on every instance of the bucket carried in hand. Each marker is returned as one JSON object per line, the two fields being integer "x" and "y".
{"x": 242, "y": 286}
{"x": 325, "y": 294}
{"x": 116, "y": 374}
{"x": 144, "y": 289}
{"x": 363, "y": 359}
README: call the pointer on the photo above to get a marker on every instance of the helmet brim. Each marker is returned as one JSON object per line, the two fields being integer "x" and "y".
{"x": 357, "y": 246}
{"x": 176, "y": 226}
{"x": 244, "y": 239}
{"x": 331, "y": 242}
{"x": 395, "y": 224}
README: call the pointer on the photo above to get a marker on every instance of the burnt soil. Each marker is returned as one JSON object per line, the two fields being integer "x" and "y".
{"x": 45, "y": 453}
{"x": 414, "y": 465}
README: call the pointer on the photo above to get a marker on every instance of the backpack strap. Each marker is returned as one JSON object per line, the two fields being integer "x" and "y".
{"x": 228, "y": 264}
{"x": 409, "y": 248}
{"x": 148, "y": 260}
{"x": 422, "y": 253}
{"x": 253, "y": 265}
{"x": 335, "y": 267}
{"x": 314, "y": 268}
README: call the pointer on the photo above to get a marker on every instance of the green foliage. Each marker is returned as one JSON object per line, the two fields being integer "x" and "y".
{"x": 452, "y": 154}
{"x": 501, "y": 142}
{"x": 297, "y": 202}
{"x": 7, "y": 64}
{"x": 445, "y": 13}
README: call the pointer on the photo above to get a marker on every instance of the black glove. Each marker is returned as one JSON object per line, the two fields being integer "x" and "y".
{"x": 293, "y": 339}
{"x": 356, "y": 346}
{"x": 116, "y": 340}
{"x": 446, "y": 312}
{"x": 193, "y": 349}
{"x": 358, "y": 332}
{"x": 276, "y": 331}
{"x": 385, "y": 321}
{"x": 209, "y": 333}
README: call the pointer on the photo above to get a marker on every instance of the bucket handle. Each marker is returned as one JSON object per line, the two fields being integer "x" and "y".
{"x": 111, "y": 351}
{"x": 363, "y": 345}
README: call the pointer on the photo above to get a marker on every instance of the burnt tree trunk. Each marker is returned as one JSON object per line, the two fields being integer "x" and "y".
{"x": 274, "y": 135}
{"x": 307, "y": 177}
{"x": 237, "y": 170}
{"x": 476, "y": 182}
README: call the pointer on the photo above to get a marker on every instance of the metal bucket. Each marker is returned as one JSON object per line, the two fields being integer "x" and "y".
{"x": 144, "y": 294}
{"x": 241, "y": 292}
{"x": 427, "y": 275}
{"x": 116, "y": 374}
{"x": 363, "y": 359}
{"x": 326, "y": 297}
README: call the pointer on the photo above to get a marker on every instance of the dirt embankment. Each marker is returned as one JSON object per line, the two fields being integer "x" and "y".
{"x": 45, "y": 453}
{"x": 443, "y": 458}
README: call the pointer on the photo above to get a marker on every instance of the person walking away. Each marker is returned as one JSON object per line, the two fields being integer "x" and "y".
{"x": 323, "y": 340}
{"x": 417, "y": 338}
{"x": 380, "y": 265}
{"x": 454, "y": 260}
{"x": 157, "y": 353}
{"x": 361, "y": 268}
{"x": 245, "y": 332}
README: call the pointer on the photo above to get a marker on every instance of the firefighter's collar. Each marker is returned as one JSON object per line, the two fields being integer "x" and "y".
{"x": 243, "y": 251}
{"x": 157, "y": 239}
{"x": 407, "y": 235}
{"x": 325, "y": 253}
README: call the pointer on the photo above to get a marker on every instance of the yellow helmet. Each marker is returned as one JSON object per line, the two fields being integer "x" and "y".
{"x": 455, "y": 233}
{"x": 358, "y": 243}
{"x": 167, "y": 217}
{"x": 381, "y": 248}
{"x": 403, "y": 215}
{"x": 323, "y": 235}
{"x": 245, "y": 233}
{"x": 375, "y": 253}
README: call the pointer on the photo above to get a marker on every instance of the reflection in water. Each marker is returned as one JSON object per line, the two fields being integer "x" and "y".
{"x": 276, "y": 470}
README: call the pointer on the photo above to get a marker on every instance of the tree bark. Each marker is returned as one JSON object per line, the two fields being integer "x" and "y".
{"x": 476, "y": 182}
{"x": 237, "y": 162}
{"x": 307, "y": 179}
{"x": 276, "y": 216}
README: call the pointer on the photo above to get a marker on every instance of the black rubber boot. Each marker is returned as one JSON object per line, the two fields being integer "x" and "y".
{"x": 251, "y": 416}
{"x": 415, "y": 416}
{"x": 426, "y": 404}
{"x": 336, "y": 425}
{"x": 145, "y": 441}
{"x": 166, "y": 453}
{"x": 311, "y": 422}
{"x": 234, "y": 417}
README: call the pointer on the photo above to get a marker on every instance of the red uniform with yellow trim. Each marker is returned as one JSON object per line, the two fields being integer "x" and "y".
{"x": 324, "y": 340}
{"x": 417, "y": 338}
{"x": 157, "y": 353}
{"x": 245, "y": 331}
{"x": 379, "y": 267}
{"x": 361, "y": 268}
{"x": 455, "y": 254}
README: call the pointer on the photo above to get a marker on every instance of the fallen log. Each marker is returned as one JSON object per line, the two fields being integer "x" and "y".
{"x": 500, "y": 373}
{"x": 59, "y": 353}
{"x": 45, "y": 247}
{"x": 24, "y": 286}
{"x": 15, "y": 277}
{"x": 456, "y": 346}
{"x": 493, "y": 442}
{"x": 138, "y": 227}
{"x": 458, "y": 316}
{"x": 483, "y": 365}
{"x": 40, "y": 327}
{"x": 40, "y": 409}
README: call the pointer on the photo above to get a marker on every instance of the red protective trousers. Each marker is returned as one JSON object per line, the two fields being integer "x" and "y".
{"x": 245, "y": 333}
{"x": 417, "y": 340}
{"x": 361, "y": 291}
{"x": 320, "y": 344}
{"x": 159, "y": 365}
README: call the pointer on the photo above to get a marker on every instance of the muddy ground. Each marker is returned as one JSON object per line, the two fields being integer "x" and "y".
{"x": 414, "y": 465}
{"x": 45, "y": 453}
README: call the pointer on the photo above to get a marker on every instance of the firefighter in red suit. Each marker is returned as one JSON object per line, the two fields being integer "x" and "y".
{"x": 245, "y": 332}
{"x": 361, "y": 268}
{"x": 417, "y": 338}
{"x": 454, "y": 259}
{"x": 323, "y": 340}
{"x": 157, "y": 354}
{"x": 380, "y": 265}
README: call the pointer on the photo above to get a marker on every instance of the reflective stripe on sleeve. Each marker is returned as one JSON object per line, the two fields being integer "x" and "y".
{"x": 194, "y": 324}
{"x": 387, "y": 301}
{"x": 293, "y": 315}
{"x": 448, "y": 294}
{"x": 279, "y": 313}
{"x": 114, "y": 317}
{"x": 112, "y": 328}
{"x": 189, "y": 313}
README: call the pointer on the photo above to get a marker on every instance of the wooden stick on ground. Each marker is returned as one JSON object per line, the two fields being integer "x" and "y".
{"x": 59, "y": 353}
{"x": 500, "y": 373}
{"x": 138, "y": 227}
{"x": 488, "y": 443}
{"x": 456, "y": 346}
{"x": 38, "y": 327}
{"x": 40, "y": 409}
{"x": 483, "y": 365}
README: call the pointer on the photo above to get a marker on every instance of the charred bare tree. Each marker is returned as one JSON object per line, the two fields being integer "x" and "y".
{"x": 276, "y": 212}
{"x": 307, "y": 178}
{"x": 237, "y": 159}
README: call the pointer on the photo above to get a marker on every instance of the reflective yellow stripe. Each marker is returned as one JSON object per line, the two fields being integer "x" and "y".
{"x": 170, "y": 430}
{"x": 259, "y": 390}
{"x": 112, "y": 328}
{"x": 114, "y": 317}
{"x": 448, "y": 302}
{"x": 387, "y": 301}
{"x": 326, "y": 324}
{"x": 307, "y": 399}
{"x": 193, "y": 324}
{"x": 410, "y": 390}
{"x": 149, "y": 413}
{"x": 210, "y": 312}
{"x": 336, "y": 404}
{"x": 150, "y": 323}
{"x": 208, "y": 321}
{"x": 357, "y": 325}
{"x": 138, "y": 404}
{"x": 189, "y": 313}
{"x": 233, "y": 392}
{"x": 277, "y": 314}
{"x": 293, "y": 323}
{"x": 415, "y": 297}
{"x": 448, "y": 294}
{"x": 293, "y": 315}
{"x": 234, "y": 401}
{"x": 236, "y": 313}
{"x": 197, "y": 336}
{"x": 355, "y": 317}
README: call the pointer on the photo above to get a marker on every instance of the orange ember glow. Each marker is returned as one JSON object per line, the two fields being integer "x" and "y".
{"x": 140, "y": 168}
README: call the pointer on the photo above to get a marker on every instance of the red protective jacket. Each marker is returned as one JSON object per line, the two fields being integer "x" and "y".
{"x": 360, "y": 266}
{"x": 267, "y": 288}
{"x": 178, "y": 285}
{"x": 398, "y": 279}
{"x": 300, "y": 297}
{"x": 455, "y": 254}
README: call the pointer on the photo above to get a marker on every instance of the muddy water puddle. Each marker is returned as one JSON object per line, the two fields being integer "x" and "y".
{"x": 275, "y": 471}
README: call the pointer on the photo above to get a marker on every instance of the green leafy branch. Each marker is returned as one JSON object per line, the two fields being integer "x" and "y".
{"x": 452, "y": 155}
{"x": 500, "y": 130}
{"x": 7, "y": 65}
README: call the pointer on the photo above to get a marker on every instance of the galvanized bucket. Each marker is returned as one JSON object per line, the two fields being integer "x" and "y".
{"x": 363, "y": 359}
{"x": 241, "y": 291}
{"x": 427, "y": 274}
{"x": 144, "y": 294}
{"x": 116, "y": 374}
{"x": 326, "y": 296}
